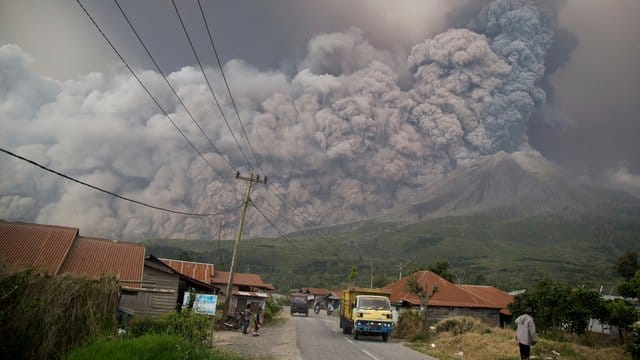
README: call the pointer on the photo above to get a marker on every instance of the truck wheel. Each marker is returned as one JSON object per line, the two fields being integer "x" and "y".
{"x": 385, "y": 337}
{"x": 355, "y": 334}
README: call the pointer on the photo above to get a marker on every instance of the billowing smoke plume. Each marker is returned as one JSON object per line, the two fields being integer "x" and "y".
{"x": 342, "y": 139}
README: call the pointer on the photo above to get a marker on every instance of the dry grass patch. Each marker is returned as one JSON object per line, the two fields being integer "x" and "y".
{"x": 481, "y": 342}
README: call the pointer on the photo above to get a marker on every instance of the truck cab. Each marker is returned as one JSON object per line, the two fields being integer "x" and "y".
{"x": 366, "y": 312}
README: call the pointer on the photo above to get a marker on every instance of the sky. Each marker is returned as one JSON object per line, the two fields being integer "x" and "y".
{"x": 350, "y": 107}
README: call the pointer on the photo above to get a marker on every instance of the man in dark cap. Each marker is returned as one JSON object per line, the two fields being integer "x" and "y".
{"x": 525, "y": 333}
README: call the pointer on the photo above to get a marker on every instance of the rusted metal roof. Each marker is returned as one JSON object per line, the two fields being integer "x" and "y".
{"x": 448, "y": 294}
{"x": 42, "y": 247}
{"x": 95, "y": 257}
{"x": 315, "y": 291}
{"x": 196, "y": 270}
{"x": 498, "y": 297}
{"x": 242, "y": 279}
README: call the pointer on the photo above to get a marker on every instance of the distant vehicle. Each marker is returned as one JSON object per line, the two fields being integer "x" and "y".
{"x": 366, "y": 312}
{"x": 299, "y": 304}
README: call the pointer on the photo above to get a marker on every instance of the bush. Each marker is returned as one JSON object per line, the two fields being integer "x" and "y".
{"x": 460, "y": 325}
{"x": 43, "y": 316}
{"x": 152, "y": 346}
{"x": 185, "y": 324}
{"x": 408, "y": 326}
{"x": 271, "y": 310}
{"x": 633, "y": 347}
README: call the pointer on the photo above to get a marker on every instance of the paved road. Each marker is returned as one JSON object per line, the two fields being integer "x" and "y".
{"x": 320, "y": 337}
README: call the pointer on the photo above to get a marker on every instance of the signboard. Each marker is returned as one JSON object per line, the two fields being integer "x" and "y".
{"x": 204, "y": 303}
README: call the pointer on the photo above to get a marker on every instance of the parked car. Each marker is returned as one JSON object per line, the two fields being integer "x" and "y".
{"x": 299, "y": 304}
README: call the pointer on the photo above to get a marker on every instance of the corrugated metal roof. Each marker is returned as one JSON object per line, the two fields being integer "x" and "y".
{"x": 244, "y": 279}
{"x": 448, "y": 294}
{"x": 95, "y": 257}
{"x": 197, "y": 270}
{"x": 42, "y": 247}
{"x": 315, "y": 291}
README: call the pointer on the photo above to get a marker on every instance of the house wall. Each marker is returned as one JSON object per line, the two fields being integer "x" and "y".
{"x": 154, "y": 304}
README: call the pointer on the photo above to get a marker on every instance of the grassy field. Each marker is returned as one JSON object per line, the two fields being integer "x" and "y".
{"x": 507, "y": 253}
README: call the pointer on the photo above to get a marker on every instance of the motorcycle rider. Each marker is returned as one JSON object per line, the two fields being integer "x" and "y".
{"x": 330, "y": 309}
{"x": 316, "y": 308}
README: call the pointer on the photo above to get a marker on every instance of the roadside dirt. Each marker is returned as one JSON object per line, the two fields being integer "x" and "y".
{"x": 276, "y": 341}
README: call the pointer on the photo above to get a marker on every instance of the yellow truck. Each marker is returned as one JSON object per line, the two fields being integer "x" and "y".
{"x": 366, "y": 311}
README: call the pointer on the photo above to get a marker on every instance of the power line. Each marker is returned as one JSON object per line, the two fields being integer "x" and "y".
{"x": 211, "y": 88}
{"x": 235, "y": 108}
{"x": 109, "y": 192}
{"x": 278, "y": 230}
{"x": 144, "y": 46}
{"x": 166, "y": 114}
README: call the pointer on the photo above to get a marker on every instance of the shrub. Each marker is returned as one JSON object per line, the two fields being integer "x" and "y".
{"x": 151, "y": 346}
{"x": 43, "y": 316}
{"x": 408, "y": 325}
{"x": 460, "y": 325}
{"x": 633, "y": 347}
{"x": 185, "y": 324}
{"x": 272, "y": 309}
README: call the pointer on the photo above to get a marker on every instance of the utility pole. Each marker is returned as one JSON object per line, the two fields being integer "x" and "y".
{"x": 247, "y": 200}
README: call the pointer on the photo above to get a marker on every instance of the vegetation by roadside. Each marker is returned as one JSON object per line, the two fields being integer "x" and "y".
{"x": 150, "y": 346}
{"x": 43, "y": 316}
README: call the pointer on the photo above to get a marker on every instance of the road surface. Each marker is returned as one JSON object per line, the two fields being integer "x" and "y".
{"x": 320, "y": 337}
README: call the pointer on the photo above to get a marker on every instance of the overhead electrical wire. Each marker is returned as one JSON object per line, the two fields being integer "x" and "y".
{"x": 110, "y": 192}
{"x": 166, "y": 114}
{"x": 278, "y": 230}
{"x": 224, "y": 77}
{"x": 155, "y": 63}
{"x": 235, "y": 108}
{"x": 186, "y": 33}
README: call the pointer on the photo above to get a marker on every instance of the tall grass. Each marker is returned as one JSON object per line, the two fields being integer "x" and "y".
{"x": 43, "y": 316}
{"x": 151, "y": 347}
{"x": 479, "y": 341}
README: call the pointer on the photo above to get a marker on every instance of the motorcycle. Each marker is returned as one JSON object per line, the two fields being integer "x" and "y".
{"x": 329, "y": 311}
{"x": 316, "y": 310}
{"x": 233, "y": 322}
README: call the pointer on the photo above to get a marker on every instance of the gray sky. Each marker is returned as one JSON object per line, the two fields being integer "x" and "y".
{"x": 53, "y": 109}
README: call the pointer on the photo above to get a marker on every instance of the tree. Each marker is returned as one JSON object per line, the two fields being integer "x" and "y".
{"x": 627, "y": 265}
{"x": 422, "y": 292}
{"x": 557, "y": 306}
{"x": 353, "y": 274}
{"x": 630, "y": 288}
{"x": 620, "y": 314}
{"x": 442, "y": 269}
{"x": 581, "y": 305}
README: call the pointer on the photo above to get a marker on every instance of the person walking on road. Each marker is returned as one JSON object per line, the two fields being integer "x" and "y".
{"x": 525, "y": 333}
{"x": 246, "y": 320}
{"x": 257, "y": 321}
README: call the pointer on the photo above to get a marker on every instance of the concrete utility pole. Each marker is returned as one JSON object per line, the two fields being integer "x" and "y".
{"x": 247, "y": 200}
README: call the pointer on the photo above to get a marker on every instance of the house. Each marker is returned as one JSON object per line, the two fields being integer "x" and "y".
{"x": 316, "y": 296}
{"x": 162, "y": 291}
{"x": 148, "y": 287}
{"x": 247, "y": 288}
{"x": 484, "y": 302}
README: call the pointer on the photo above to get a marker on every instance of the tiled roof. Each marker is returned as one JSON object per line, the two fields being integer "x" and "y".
{"x": 448, "y": 294}
{"x": 196, "y": 270}
{"x": 491, "y": 294}
{"x": 95, "y": 257}
{"x": 42, "y": 247}
{"x": 315, "y": 291}
{"x": 244, "y": 279}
